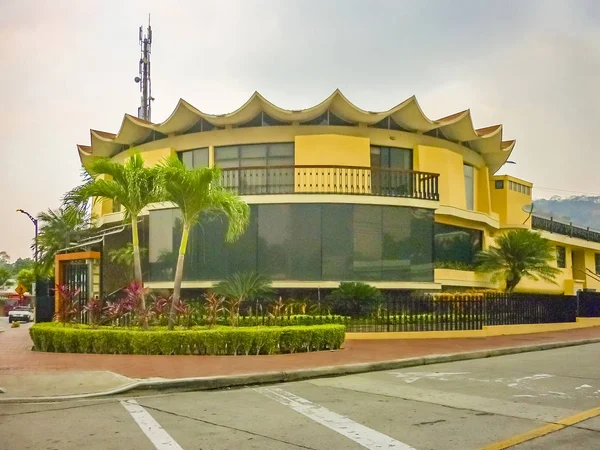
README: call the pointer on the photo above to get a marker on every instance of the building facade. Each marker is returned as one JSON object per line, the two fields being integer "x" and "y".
{"x": 336, "y": 193}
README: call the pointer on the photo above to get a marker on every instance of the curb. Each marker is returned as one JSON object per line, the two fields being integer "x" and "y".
{"x": 232, "y": 381}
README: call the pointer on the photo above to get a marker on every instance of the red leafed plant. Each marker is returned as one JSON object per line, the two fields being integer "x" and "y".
{"x": 213, "y": 307}
{"x": 69, "y": 304}
{"x": 94, "y": 311}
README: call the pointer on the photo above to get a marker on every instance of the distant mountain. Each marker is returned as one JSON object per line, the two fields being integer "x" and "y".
{"x": 582, "y": 210}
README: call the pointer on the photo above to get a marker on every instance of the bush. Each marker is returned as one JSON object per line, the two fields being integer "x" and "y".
{"x": 52, "y": 337}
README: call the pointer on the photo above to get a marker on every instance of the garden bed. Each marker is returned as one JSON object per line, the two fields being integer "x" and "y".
{"x": 55, "y": 337}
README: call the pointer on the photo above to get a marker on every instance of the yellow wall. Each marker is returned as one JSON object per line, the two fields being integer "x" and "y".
{"x": 590, "y": 263}
{"x": 101, "y": 207}
{"x": 450, "y": 167}
{"x": 508, "y": 204}
{"x": 332, "y": 149}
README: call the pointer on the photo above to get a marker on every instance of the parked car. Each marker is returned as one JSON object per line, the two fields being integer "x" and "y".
{"x": 20, "y": 314}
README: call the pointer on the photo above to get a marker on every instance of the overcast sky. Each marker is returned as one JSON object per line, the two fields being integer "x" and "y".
{"x": 68, "y": 66}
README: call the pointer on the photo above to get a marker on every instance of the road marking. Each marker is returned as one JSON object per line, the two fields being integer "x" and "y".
{"x": 360, "y": 434}
{"x": 151, "y": 428}
{"x": 544, "y": 430}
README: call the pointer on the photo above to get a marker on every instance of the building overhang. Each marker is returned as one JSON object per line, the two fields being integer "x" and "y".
{"x": 408, "y": 114}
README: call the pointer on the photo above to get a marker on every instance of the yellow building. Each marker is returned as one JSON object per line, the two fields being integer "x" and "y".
{"x": 337, "y": 193}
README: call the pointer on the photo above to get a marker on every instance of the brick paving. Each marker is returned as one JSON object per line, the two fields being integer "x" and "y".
{"x": 16, "y": 356}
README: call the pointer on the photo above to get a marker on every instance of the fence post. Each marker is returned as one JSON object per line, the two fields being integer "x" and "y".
{"x": 388, "y": 312}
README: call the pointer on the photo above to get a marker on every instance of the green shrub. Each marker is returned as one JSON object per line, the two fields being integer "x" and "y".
{"x": 52, "y": 337}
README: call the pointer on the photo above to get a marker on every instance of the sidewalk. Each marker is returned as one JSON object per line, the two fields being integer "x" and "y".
{"x": 27, "y": 373}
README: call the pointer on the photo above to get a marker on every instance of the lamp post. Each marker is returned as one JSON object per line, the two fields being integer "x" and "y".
{"x": 35, "y": 255}
{"x": 35, "y": 223}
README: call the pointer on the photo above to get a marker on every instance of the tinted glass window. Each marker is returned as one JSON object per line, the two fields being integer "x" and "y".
{"x": 456, "y": 247}
{"x": 301, "y": 242}
{"x": 195, "y": 159}
{"x": 469, "y": 187}
{"x": 561, "y": 256}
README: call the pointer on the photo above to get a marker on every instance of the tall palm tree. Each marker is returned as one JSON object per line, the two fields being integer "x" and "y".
{"x": 132, "y": 185}
{"x": 195, "y": 192}
{"x": 519, "y": 254}
{"x": 59, "y": 229}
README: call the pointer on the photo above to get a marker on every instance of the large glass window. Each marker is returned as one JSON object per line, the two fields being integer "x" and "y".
{"x": 391, "y": 158}
{"x": 304, "y": 242}
{"x": 389, "y": 182}
{"x": 597, "y": 262}
{"x": 268, "y": 167}
{"x": 469, "y": 186}
{"x": 195, "y": 159}
{"x": 561, "y": 256}
{"x": 456, "y": 247}
{"x": 289, "y": 241}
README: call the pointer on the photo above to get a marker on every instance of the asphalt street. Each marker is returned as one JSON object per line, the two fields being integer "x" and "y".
{"x": 4, "y": 323}
{"x": 465, "y": 405}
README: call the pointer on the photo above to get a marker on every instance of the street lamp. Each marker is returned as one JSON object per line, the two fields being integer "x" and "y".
{"x": 35, "y": 223}
{"x": 35, "y": 255}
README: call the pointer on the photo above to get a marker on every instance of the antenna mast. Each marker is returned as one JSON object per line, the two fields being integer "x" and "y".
{"x": 145, "y": 109}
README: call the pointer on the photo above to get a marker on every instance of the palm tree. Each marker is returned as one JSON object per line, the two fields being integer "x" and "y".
{"x": 125, "y": 256}
{"x": 356, "y": 298}
{"x": 240, "y": 287}
{"x": 519, "y": 253}
{"x": 59, "y": 229}
{"x": 132, "y": 185}
{"x": 196, "y": 191}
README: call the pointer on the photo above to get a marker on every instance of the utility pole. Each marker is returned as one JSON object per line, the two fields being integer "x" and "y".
{"x": 145, "y": 109}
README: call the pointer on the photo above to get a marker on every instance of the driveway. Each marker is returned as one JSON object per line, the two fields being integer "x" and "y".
{"x": 455, "y": 406}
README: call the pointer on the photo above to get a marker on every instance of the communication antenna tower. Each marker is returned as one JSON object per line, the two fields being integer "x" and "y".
{"x": 145, "y": 109}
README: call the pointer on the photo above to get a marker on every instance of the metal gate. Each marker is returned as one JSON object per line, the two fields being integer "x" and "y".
{"x": 76, "y": 276}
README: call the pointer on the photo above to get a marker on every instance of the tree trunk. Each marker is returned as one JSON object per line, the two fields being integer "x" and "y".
{"x": 137, "y": 266}
{"x": 178, "y": 275}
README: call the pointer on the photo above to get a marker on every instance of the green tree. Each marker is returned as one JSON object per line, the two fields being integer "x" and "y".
{"x": 519, "y": 254}
{"x": 240, "y": 287}
{"x": 5, "y": 274}
{"x": 4, "y": 258}
{"x": 125, "y": 256}
{"x": 132, "y": 185}
{"x": 196, "y": 192}
{"x": 58, "y": 230}
{"x": 26, "y": 278}
{"x": 355, "y": 297}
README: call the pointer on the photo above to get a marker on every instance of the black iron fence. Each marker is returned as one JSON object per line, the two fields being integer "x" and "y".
{"x": 567, "y": 229}
{"x": 404, "y": 311}
{"x": 588, "y": 304}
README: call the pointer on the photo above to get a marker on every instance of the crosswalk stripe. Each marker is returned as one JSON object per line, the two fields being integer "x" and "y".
{"x": 362, "y": 435}
{"x": 151, "y": 428}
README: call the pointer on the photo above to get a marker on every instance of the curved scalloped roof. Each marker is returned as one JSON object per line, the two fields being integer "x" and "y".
{"x": 408, "y": 114}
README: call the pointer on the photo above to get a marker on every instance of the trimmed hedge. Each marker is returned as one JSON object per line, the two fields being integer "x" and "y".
{"x": 53, "y": 337}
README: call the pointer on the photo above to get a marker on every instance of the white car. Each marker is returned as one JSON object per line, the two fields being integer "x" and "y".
{"x": 20, "y": 314}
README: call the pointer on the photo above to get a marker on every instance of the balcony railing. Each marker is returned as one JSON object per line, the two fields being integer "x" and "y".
{"x": 567, "y": 229}
{"x": 331, "y": 180}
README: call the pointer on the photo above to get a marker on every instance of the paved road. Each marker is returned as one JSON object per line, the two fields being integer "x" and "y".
{"x": 4, "y": 323}
{"x": 464, "y": 405}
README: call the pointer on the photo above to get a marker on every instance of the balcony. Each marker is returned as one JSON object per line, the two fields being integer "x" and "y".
{"x": 331, "y": 180}
{"x": 566, "y": 229}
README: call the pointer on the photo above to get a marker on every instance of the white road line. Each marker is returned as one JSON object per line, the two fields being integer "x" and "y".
{"x": 151, "y": 428}
{"x": 360, "y": 434}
